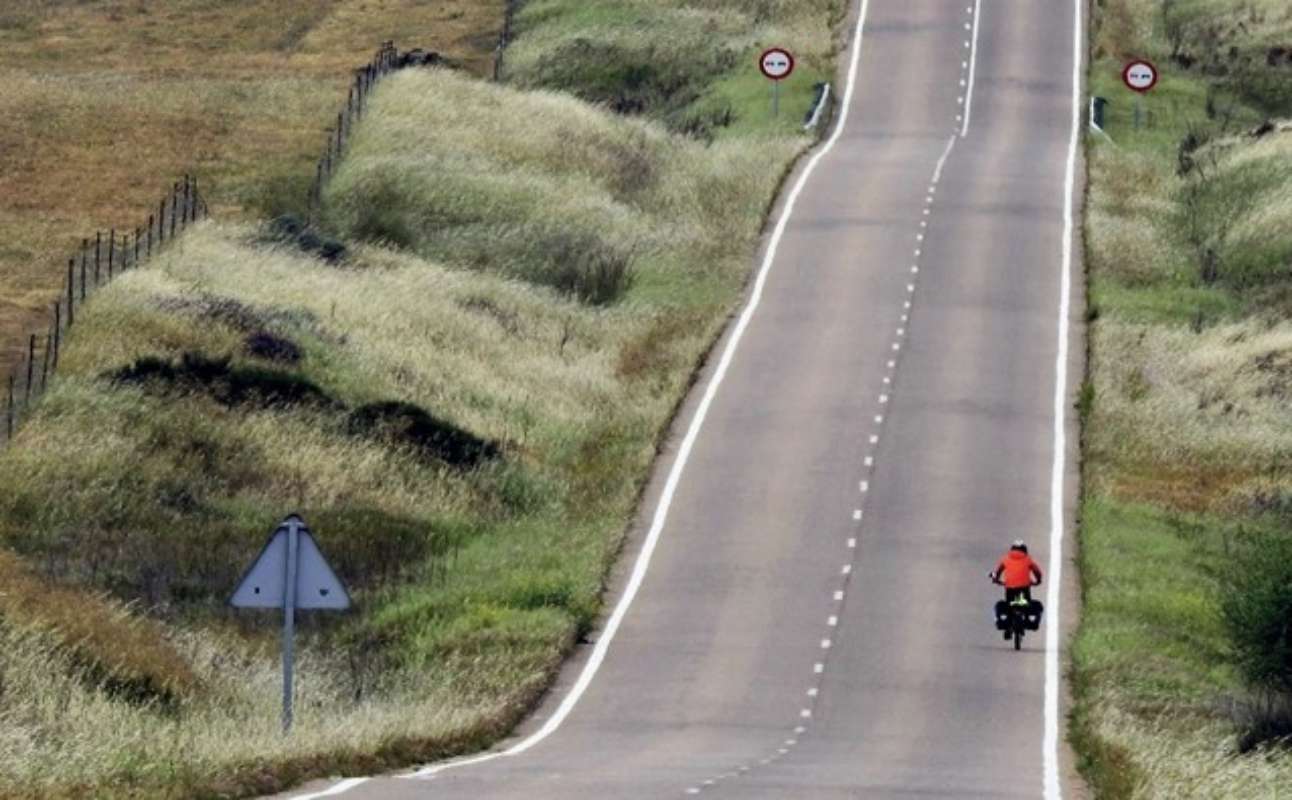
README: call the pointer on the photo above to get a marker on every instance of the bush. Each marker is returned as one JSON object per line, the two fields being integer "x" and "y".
{"x": 1257, "y": 609}
{"x": 409, "y": 425}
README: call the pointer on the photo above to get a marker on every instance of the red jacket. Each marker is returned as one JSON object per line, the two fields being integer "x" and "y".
{"x": 1018, "y": 569}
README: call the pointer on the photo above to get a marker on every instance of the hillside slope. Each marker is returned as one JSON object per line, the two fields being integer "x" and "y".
{"x": 1188, "y": 421}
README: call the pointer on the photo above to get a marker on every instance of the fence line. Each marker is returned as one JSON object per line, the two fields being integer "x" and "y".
{"x": 504, "y": 39}
{"x": 111, "y": 254}
{"x": 386, "y": 60}
{"x": 183, "y": 206}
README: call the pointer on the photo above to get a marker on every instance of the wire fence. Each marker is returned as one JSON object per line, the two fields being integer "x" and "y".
{"x": 386, "y": 60}
{"x": 109, "y": 254}
{"x": 98, "y": 261}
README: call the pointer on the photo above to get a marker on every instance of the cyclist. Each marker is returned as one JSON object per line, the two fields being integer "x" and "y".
{"x": 1018, "y": 573}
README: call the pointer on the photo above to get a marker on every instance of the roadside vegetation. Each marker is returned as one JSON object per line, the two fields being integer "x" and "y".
{"x": 460, "y": 382}
{"x": 1182, "y": 668}
{"x": 106, "y": 102}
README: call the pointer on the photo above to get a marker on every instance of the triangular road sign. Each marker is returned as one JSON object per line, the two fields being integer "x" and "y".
{"x": 264, "y": 585}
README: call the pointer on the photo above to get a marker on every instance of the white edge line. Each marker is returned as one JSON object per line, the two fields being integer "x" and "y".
{"x": 973, "y": 64}
{"x": 942, "y": 162}
{"x": 679, "y": 464}
{"x": 816, "y": 112}
{"x": 1050, "y": 747}
{"x": 335, "y": 789}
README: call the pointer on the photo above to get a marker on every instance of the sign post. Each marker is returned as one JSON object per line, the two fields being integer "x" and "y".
{"x": 290, "y": 573}
{"x": 776, "y": 64}
{"x": 1140, "y": 77}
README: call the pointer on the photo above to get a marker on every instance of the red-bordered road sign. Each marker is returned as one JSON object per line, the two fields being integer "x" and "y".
{"x": 776, "y": 63}
{"x": 1140, "y": 76}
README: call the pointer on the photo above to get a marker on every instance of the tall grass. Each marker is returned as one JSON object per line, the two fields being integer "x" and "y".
{"x": 527, "y": 278}
{"x": 1189, "y": 236}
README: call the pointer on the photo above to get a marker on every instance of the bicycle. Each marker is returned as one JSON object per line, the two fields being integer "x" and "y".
{"x": 1022, "y": 615}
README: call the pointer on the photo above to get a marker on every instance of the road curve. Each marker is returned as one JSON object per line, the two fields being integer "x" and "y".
{"x": 815, "y": 618}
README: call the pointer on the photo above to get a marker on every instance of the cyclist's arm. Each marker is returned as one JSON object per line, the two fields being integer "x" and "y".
{"x": 1036, "y": 573}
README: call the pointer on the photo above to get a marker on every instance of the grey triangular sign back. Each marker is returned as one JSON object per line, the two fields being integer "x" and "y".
{"x": 265, "y": 582}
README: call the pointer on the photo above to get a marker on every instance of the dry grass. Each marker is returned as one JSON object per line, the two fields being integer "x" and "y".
{"x": 471, "y": 583}
{"x": 106, "y": 102}
{"x": 1188, "y": 439}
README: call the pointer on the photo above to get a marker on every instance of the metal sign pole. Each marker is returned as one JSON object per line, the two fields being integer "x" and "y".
{"x": 776, "y": 98}
{"x": 289, "y": 619}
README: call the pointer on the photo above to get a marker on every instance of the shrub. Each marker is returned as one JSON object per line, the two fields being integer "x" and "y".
{"x": 410, "y": 425}
{"x": 1257, "y": 609}
{"x": 227, "y": 385}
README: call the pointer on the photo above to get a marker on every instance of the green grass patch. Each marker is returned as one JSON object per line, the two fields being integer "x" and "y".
{"x": 460, "y": 383}
{"x": 1188, "y": 231}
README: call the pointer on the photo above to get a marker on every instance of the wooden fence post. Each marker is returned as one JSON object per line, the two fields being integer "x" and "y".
{"x": 112, "y": 247}
{"x": 149, "y": 254}
{"x": 161, "y": 223}
{"x": 71, "y": 313}
{"x": 58, "y": 324}
{"x": 136, "y": 259}
{"x": 31, "y": 366}
{"x": 44, "y": 370}
{"x": 174, "y": 201}
{"x": 98, "y": 248}
{"x": 82, "y": 282}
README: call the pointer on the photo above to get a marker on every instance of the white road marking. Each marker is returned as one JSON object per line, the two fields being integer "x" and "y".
{"x": 1050, "y": 743}
{"x": 818, "y": 668}
{"x": 865, "y": 486}
{"x": 832, "y": 621}
{"x": 856, "y": 513}
{"x": 942, "y": 162}
{"x": 973, "y": 67}
{"x": 873, "y": 438}
{"x": 847, "y": 568}
{"x": 868, "y": 461}
{"x": 892, "y": 364}
{"x": 838, "y": 595}
{"x": 852, "y": 544}
{"x": 335, "y": 789}
{"x": 693, "y": 790}
{"x": 805, "y": 713}
{"x": 693, "y": 431}
{"x": 910, "y": 287}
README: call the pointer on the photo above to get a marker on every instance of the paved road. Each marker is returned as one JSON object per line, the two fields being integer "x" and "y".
{"x": 779, "y": 646}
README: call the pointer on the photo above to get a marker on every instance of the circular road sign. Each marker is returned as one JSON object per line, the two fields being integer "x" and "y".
{"x": 1140, "y": 76}
{"x": 776, "y": 63}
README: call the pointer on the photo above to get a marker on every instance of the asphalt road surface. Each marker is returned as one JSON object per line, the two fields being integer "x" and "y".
{"x": 815, "y": 621}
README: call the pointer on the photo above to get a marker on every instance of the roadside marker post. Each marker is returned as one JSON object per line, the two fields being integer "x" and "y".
{"x": 290, "y": 573}
{"x": 1140, "y": 76}
{"x": 776, "y": 64}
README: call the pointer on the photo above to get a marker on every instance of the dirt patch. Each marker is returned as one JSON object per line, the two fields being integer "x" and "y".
{"x": 411, "y": 426}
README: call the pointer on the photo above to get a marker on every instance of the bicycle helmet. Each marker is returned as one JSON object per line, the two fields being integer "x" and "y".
{"x": 1019, "y": 545}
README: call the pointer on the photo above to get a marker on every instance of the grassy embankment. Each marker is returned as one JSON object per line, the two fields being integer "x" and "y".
{"x": 534, "y": 278}
{"x": 106, "y": 102}
{"x": 1188, "y": 409}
